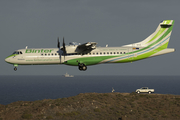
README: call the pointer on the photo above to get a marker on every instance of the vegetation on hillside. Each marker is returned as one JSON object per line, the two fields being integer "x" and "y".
{"x": 96, "y": 106}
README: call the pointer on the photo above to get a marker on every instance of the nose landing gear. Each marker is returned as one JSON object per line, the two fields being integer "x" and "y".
{"x": 15, "y": 67}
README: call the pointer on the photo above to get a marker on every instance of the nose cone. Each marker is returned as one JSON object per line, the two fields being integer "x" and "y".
{"x": 7, "y": 60}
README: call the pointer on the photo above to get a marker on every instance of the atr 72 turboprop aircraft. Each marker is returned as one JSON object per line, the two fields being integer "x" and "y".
{"x": 83, "y": 55}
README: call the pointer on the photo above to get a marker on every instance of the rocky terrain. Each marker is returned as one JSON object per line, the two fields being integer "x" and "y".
{"x": 96, "y": 106}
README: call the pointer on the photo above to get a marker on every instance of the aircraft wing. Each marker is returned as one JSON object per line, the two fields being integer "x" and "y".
{"x": 86, "y": 46}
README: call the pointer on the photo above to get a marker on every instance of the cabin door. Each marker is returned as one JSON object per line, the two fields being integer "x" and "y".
{"x": 131, "y": 55}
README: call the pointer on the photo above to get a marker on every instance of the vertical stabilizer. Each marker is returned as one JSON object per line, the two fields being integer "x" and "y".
{"x": 162, "y": 33}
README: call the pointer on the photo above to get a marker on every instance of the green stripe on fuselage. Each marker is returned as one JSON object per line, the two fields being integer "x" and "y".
{"x": 12, "y": 55}
{"x": 90, "y": 60}
{"x": 143, "y": 56}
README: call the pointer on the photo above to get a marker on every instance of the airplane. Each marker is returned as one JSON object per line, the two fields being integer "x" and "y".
{"x": 83, "y": 55}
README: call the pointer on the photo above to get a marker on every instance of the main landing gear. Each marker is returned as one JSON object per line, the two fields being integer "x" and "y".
{"x": 82, "y": 67}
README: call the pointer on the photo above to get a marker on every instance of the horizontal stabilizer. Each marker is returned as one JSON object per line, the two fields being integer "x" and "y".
{"x": 165, "y": 51}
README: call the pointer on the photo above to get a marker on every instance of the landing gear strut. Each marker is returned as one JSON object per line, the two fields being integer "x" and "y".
{"x": 82, "y": 67}
{"x": 15, "y": 68}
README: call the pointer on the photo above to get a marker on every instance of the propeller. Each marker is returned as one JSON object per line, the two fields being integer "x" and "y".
{"x": 63, "y": 49}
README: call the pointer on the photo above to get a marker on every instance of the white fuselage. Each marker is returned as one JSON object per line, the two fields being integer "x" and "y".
{"x": 55, "y": 56}
{"x": 41, "y": 56}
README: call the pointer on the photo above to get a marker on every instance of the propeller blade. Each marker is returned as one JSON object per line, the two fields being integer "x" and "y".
{"x": 64, "y": 48}
{"x": 63, "y": 44}
{"x": 58, "y": 45}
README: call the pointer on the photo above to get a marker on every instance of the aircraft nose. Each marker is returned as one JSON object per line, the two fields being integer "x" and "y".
{"x": 7, "y": 60}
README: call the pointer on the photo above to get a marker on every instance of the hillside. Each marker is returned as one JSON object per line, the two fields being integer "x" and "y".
{"x": 96, "y": 106}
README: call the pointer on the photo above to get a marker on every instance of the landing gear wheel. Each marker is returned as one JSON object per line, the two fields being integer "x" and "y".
{"x": 15, "y": 68}
{"x": 82, "y": 67}
{"x": 149, "y": 92}
{"x": 138, "y": 92}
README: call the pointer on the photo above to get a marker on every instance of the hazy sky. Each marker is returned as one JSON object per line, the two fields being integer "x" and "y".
{"x": 38, "y": 23}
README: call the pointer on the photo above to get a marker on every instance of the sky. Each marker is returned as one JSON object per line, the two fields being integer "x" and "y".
{"x": 38, "y": 23}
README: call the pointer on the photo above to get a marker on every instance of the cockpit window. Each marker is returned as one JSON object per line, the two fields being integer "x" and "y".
{"x": 17, "y": 52}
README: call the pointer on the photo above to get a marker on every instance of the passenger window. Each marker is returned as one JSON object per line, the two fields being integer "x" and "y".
{"x": 97, "y": 53}
{"x": 121, "y": 52}
{"x": 114, "y": 52}
{"x": 20, "y": 52}
{"x": 45, "y": 54}
{"x": 107, "y": 52}
{"x": 117, "y": 52}
{"x": 52, "y": 54}
{"x": 41, "y": 54}
{"x": 100, "y": 53}
{"x": 110, "y": 52}
{"x": 124, "y": 52}
{"x": 104, "y": 53}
